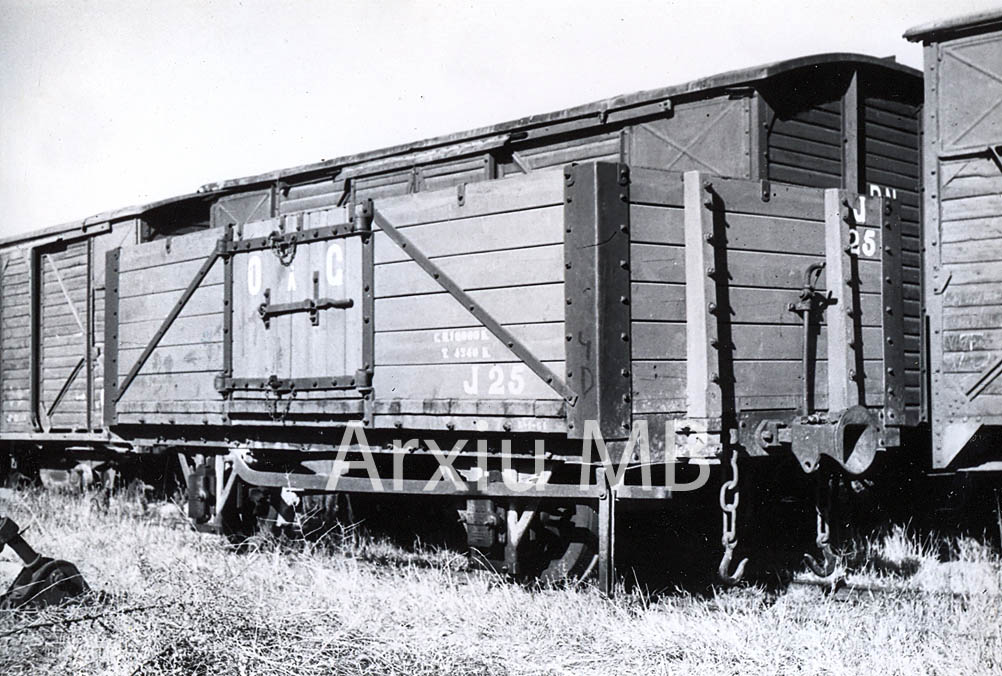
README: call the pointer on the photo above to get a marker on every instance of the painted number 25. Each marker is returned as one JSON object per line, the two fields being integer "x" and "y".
{"x": 865, "y": 245}
{"x": 500, "y": 380}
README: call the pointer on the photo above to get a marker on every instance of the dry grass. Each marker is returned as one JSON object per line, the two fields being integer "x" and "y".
{"x": 178, "y": 602}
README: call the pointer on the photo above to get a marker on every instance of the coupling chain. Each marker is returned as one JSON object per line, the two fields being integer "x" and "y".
{"x": 729, "y": 507}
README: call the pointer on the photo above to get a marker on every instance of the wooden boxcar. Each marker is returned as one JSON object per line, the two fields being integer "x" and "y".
{"x": 734, "y": 261}
{"x": 963, "y": 236}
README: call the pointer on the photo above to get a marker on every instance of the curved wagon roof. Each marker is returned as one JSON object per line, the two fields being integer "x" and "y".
{"x": 938, "y": 30}
{"x": 452, "y": 145}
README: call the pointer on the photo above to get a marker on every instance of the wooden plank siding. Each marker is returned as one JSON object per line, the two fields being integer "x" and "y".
{"x": 657, "y": 266}
{"x": 890, "y": 145}
{"x": 180, "y": 373}
{"x": 971, "y": 253}
{"x": 768, "y": 248}
{"x": 832, "y": 134}
{"x": 15, "y": 342}
{"x": 502, "y": 243}
{"x": 962, "y": 238}
{"x": 64, "y": 341}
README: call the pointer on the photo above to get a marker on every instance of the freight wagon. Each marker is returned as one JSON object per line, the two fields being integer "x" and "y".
{"x": 962, "y": 156}
{"x": 542, "y": 318}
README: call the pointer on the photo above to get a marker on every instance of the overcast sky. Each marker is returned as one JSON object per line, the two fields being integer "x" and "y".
{"x": 106, "y": 103}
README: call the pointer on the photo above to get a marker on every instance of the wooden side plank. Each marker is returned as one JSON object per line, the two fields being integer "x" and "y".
{"x": 513, "y": 305}
{"x": 538, "y": 189}
{"x": 499, "y": 269}
{"x": 457, "y": 381}
{"x": 492, "y": 232}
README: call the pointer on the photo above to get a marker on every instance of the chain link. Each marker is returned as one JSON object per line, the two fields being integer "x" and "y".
{"x": 284, "y": 251}
{"x": 823, "y": 507}
{"x": 273, "y": 400}
{"x": 729, "y": 508}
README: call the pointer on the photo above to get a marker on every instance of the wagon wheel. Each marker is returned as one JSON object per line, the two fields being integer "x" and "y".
{"x": 562, "y": 542}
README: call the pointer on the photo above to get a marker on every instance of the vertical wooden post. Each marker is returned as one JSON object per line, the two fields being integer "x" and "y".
{"x": 597, "y": 296}
{"x": 703, "y": 399}
{"x": 111, "y": 335}
{"x": 4, "y": 262}
{"x": 852, "y": 136}
{"x": 841, "y": 316}
{"x": 35, "y": 327}
{"x": 228, "y": 319}
{"x": 892, "y": 309}
{"x": 760, "y": 114}
{"x": 89, "y": 337}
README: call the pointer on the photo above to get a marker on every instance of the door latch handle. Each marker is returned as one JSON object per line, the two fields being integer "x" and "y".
{"x": 313, "y": 306}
